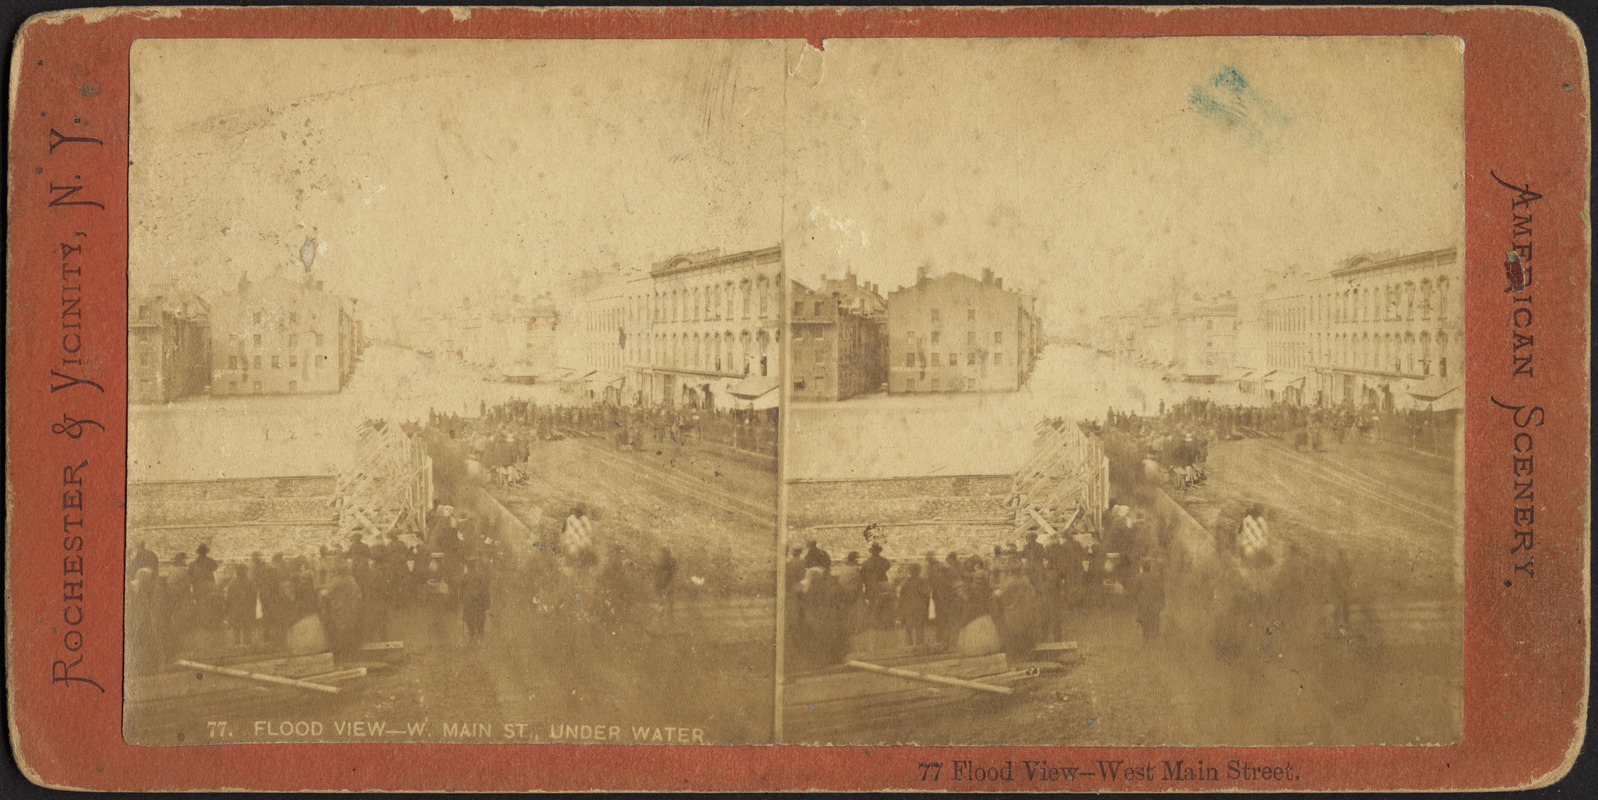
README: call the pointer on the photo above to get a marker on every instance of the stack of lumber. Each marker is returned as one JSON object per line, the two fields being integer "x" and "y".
{"x": 871, "y": 690}
{"x": 391, "y": 479}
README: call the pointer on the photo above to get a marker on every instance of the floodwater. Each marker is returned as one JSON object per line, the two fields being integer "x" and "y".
{"x": 253, "y": 436}
{"x": 893, "y": 436}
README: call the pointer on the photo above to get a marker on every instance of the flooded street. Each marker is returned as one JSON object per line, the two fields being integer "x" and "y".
{"x": 912, "y": 435}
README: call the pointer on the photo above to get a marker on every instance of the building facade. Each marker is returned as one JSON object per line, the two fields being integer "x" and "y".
{"x": 955, "y": 333}
{"x": 699, "y": 324}
{"x": 282, "y": 336}
{"x": 839, "y": 343}
{"x": 169, "y": 347}
{"x": 1387, "y": 331}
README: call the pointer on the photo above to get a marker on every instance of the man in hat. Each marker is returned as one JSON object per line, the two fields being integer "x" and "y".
{"x": 874, "y": 587}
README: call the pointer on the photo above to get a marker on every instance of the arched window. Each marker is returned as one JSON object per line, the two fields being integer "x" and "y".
{"x": 748, "y": 299}
{"x": 1443, "y": 300}
{"x": 1409, "y": 354}
{"x": 1425, "y": 353}
{"x": 1426, "y": 299}
{"x": 763, "y": 286}
{"x": 1442, "y": 354}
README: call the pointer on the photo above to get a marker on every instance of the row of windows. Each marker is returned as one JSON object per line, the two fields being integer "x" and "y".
{"x": 255, "y": 339}
{"x": 240, "y": 362}
{"x": 233, "y": 386}
{"x": 972, "y": 359}
{"x": 937, "y": 385}
{"x": 1392, "y": 301}
{"x": 727, "y": 300}
{"x": 936, "y": 337}
{"x": 936, "y": 315}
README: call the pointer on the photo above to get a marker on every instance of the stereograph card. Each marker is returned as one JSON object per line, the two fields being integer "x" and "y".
{"x": 791, "y": 399}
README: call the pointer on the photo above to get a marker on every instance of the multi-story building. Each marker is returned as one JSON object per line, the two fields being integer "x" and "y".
{"x": 282, "y": 336}
{"x": 169, "y": 346}
{"x": 1387, "y": 331}
{"x": 1284, "y": 333}
{"x": 1206, "y": 340}
{"x": 955, "y": 333}
{"x": 838, "y": 347}
{"x": 699, "y": 324}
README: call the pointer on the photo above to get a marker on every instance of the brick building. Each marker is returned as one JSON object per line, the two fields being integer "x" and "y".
{"x": 282, "y": 336}
{"x": 839, "y": 343}
{"x": 169, "y": 346}
{"x": 955, "y": 333}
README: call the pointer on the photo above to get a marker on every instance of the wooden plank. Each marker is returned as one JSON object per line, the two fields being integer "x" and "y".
{"x": 260, "y": 677}
{"x": 838, "y": 686}
{"x": 928, "y": 677}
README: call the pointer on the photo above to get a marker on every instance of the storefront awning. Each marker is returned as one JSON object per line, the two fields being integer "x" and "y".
{"x": 752, "y": 386}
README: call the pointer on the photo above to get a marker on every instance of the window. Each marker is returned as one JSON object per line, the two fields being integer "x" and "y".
{"x": 935, "y": 337}
{"x": 294, "y": 360}
{"x": 319, "y": 340}
{"x": 144, "y": 358}
{"x": 257, "y": 387}
{"x": 798, "y": 384}
{"x": 257, "y": 362}
{"x": 954, "y": 359}
{"x": 277, "y": 362}
{"x": 998, "y": 358}
{"x": 294, "y": 386}
{"x": 934, "y": 384}
{"x": 294, "y": 317}
{"x": 232, "y": 362}
{"x": 321, "y": 361}
{"x": 971, "y": 315}
{"x": 819, "y": 380}
{"x": 934, "y": 359}
{"x": 294, "y": 339}
{"x": 818, "y": 308}
{"x": 909, "y": 384}
{"x": 970, "y": 338}
{"x": 910, "y": 359}
{"x": 970, "y": 359}
{"x": 256, "y": 339}
{"x": 935, "y": 315}
{"x": 257, "y": 317}
{"x": 998, "y": 337}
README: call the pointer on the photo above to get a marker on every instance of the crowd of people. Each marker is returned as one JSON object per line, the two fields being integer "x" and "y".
{"x": 502, "y": 432}
{"x": 1028, "y": 590}
{"x": 335, "y": 599}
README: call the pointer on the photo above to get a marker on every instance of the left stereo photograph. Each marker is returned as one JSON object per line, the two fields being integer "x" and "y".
{"x": 453, "y": 378}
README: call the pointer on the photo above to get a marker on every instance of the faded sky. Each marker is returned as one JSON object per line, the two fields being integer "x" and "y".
{"x": 1092, "y": 171}
{"x": 429, "y": 169}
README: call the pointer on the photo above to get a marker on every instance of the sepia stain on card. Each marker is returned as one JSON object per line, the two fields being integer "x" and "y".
{"x": 1230, "y": 100}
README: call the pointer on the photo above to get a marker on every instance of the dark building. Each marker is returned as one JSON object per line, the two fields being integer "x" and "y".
{"x": 283, "y": 336}
{"x": 839, "y": 346}
{"x": 955, "y": 333}
{"x": 169, "y": 346}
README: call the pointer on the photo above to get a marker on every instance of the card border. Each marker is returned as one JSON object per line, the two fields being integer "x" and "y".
{"x": 1527, "y": 114}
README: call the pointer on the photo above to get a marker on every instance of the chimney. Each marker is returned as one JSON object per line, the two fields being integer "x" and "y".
{"x": 921, "y": 275}
{"x": 998, "y": 283}
{"x": 987, "y": 275}
{"x": 244, "y": 282}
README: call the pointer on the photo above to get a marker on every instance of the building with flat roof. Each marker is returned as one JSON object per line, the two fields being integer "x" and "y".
{"x": 839, "y": 343}
{"x": 956, "y": 333}
{"x": 169, "y": 346}
{"x": 282, "y": 336}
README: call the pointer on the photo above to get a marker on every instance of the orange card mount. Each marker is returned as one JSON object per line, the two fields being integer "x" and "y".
{"x": 468, "y": 399}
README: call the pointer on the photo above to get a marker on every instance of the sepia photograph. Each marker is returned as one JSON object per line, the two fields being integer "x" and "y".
{"x": 453, "y": 391}
{"x": 1125, "y": 392}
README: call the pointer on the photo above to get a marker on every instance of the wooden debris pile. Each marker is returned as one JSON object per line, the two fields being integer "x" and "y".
{"x": 1066, "y": 477}
{"x": 391, "y": 481}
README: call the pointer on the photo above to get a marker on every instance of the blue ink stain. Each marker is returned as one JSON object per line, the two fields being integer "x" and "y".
{"x": 1091, "y": 722}
{"x": 1230, "y": 100}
